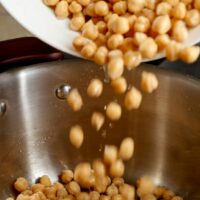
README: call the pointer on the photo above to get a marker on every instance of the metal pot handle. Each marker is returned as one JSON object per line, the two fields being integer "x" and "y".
{"x": 26, "y": 51}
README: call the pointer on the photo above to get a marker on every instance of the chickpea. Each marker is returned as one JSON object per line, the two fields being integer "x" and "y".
{"x": 117, "y": 169}
{"x": 159, "y": 191}
{"x": 113, "y": 111}
{"x": 41, "y": 196}
{"x": 172, "y": 2}
{"x": 148, "y": 197}
{"x": 187, "y": 1}
{"x": 79, "y": 42}
{"x": 135, "y": 6}
{"x": 120, "y": 7}
{"x": 132, "y": 59}
{"x": 99, "y": 169}
{"x": 131, "y": 20}
{"x": 150, "y": 14}
{"x": 142, "y": 24}
{"x": 151, "y": 4}
{"x": 76, "y": 136}
{"x": 119, "y": 85}
{"x": 75, "y": 7}
{"x": 100, "y": 184}
{"x": 88, "y": 49}
{"x": 126, "y": 148}
{"x": 162, "y": 41}
{"x": 172, "y": 50}
{"x": 139, "y": 38}
{"x": 38, "y": 187}
{"x": 101, "y": 55}
{"x": 45, "y": 180}
{"x": 163, "y": 8}
{"x": 132, "y": 99}
{"x": 61, "y": 9}
{"x": 61, "y": 193}
{"x": 192, "y": 18}
{"x": 101, "y": 26}
{"x": 115, "y": 67}
{"x": 21, "y": 184}
{"x": 145, "y": 186}
{"x": 94, "y": 195}
{"x": 127, "y": 191}
{"x": 51, "y": 2}
{"x": 83, "y": 196}
{"x": 118, "y": 181}
{"x": 77, "y": 22}
{"x": 105, "y": 197}
{"x": 190, "y": 54}
{"x": 57, "y": 185}
{"x": 83, "y": 2}
{"x": 101, "y": 8}
{"x": 10, "y": 198}
{"x": 67, "y": 175}
{"x": 148, "y": 48}
{"x": 110, "y": 154}
{"x": 100, "y": 41}
{"x": 74, "y": 100}
{"x": 90, "y": 32}
{"x": 179, "y": 31}
{"x": 161, "y": 24}
{"x": 97, "y": 120}
{"x": 112, "y": 190}
{"x": 120, "y": 25}
{"x": 70, "y": 197}
{"x": 128, "y": 44}
{"x": 27, "y": 192}
{"x": 50, "y": 192}
{"x": 115, "y": 54}
{"x": 117, "y": 197}
{"x": 95, "y": 88}
{"x": 179, "y": 11}
{"x": 111, "y": 20}
{"x": 168, "y": 195}
{"x": 114, "y": 41}
{"x": 73, "y": 188}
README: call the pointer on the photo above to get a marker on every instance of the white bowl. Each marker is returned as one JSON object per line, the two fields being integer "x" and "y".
{"x": 41, "y": 21}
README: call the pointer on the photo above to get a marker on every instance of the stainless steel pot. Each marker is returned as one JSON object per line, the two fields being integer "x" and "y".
{"x": 34, "y": 125}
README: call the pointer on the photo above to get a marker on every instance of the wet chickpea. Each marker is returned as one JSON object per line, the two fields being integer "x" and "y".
{"x": 172, "y": 50}
{"x": 148, "y": 197}
{"x": 83, "y": 2}
{"x": 95, "y": 88}
{"x": 115, "y": 68}
{"x": 99, "y": 168}
{"x": 61, "y": 9}
{"x": 163, "y": 8}
{"x": 132, "y": 59}
{"x": 113, "y": 111}
{"x": 112, "y": 190}
{"x": 76, "y": 136}
{"x": 61, "y": 193}
{"x": 88, "y": 50}
{"x": 162, "y": 41}
{"x": 117, "y": 169}
{"x": 120, "y": 7}
{"x": 50, "y": 192}
{"x": 179, "y": 11}
{"x": 21, "y": 184}
{"x": 67, "y": 175}
{"x": 133, "y": 99}
{"x": 161, "y": 24}
{"x": 127, "y": 191}
{"x": 94, "y": 195}
{"x": 97, "y": 120}
{"x": 114, "y": 41}
{"x": 118, "y": 181}
{"x": 126, "y": 149}
{"x": 77, "y": 22}
{"x": 119, "y": 85}
{"x": 145, "y": 186}
{"x": 190, "y": 54}
{"x": 74, "y": 100}
{"x": 142, "y": 24}
{"x": 38, "y": 187}
{"x": 110, "y": 154}
{"x": 101, "y": 8}
{"x": 73, "y": 188}
{"x": 51, "y": 2}
{"x": 149, "y": 82}
{"x": 45, "y": 180}
{"x": 192, "y": 18}
{"x": 101, "y": 55}
{"x": 90, "y": 32}
{"x": 120, "y": 25}
{"x": 75, "y": 7}
{"x": 148, "y": 48}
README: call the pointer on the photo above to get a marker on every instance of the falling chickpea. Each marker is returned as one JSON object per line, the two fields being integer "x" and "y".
{"x": 76, "y": 136}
